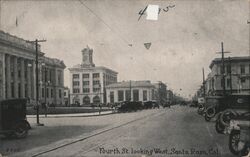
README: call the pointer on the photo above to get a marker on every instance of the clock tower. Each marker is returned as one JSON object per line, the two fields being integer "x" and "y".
{"x": 87, "y": 57}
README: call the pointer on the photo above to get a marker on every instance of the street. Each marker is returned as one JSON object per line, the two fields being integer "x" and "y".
{"x": 178, "y": 131}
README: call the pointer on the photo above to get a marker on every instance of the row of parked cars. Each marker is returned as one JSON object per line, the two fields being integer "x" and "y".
{"x": 131, "y": 106}
{"x": 231, "y": 114}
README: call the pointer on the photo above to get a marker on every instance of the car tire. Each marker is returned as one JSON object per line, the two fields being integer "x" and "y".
{"x": 211, "y": 112}
{"x": 207, "y": 118}
{"x": 234, "y": 139}
{"x": 226, "y": 116}
{"x": 21, "y": 130}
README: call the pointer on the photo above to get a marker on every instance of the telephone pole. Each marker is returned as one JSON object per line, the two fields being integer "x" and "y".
{"x": 204, "y": 83}
{"x": 223, "y": 68}
{"x": 37, "y": 83}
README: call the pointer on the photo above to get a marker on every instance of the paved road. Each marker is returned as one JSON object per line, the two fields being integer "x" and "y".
{"x": 175, "y": 132}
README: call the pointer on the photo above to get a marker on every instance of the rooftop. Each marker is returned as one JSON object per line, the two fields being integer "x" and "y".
{"x": 16, "y": 41}
{"x": 128, "y": 84}
{"x": 81, "y": 67}
{"x": 232, "y": 59}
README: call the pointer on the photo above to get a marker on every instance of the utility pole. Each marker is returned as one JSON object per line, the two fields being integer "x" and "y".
{"x": 223, "y": 68}
{"x": 37, "y": 83}
{"x": 230, "y": 74}
{"x": 130, "y": 88}
{"x": 204, "y": 83}
{"x": 1, "y": 12}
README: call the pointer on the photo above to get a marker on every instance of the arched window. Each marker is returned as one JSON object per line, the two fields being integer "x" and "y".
{"x": 96, "y": 100}
{"x": 86, "y": 100}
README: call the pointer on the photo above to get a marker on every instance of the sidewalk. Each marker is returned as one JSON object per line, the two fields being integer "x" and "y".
{"x": 72, "y": 115}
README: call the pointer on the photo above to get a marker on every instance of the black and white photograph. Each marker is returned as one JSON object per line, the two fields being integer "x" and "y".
{"x": 124, "y": 78}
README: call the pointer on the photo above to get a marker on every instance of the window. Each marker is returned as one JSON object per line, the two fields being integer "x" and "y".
{"x": 75, "y": 83}
{"x": 228, "y": 82}
{"x": 84, "y": 83}
{"x": 85, "y": 90}
{"x": 59, "y": 77}
{"x": 242, "y": 69}
{"x": 64, "y": 93}
{"x": 222, "y": 82}
{"x": 60, "y": 93}
{"x": 75, "y": 76}
{"x": 136, "y": 95}
{"x": 12, "y": 90}
{"x": 96, "y": 89}
{"x": 96, "y": 82}
{"x": 76, "y": 90}
{"x": 128, "y": 95}
{"x": 85, "y": 75}
{"x": 112, "y": 97}
{"x": 50, "y": 76}
{"x": 228, "y": 69}
{"x": 96, "y": 75}
{"x": 19, "y": 90}
{"x": 43, "y": 92}
{"x": 47, "y": 92}
{"x": 120, "y": 95}
{"x": 51, "y": 93}
{"x": 221, "y": 69}
{"x": 145, "y": 95}
{"x": 243, "y": 80}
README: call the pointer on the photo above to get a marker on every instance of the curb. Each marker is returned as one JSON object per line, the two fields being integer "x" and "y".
{"x": 65, "y": 115}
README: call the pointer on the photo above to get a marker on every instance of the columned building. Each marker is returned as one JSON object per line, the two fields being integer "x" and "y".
{"x": 18, "y": 71}
{"x": 130, "y": 91}
{"x": 88, "y": 82}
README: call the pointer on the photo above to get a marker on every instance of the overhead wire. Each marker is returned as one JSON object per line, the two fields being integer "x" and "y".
{"x": 112, "y": 30}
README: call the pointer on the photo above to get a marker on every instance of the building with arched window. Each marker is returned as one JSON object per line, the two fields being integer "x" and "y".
{"x": 88, "y": 82}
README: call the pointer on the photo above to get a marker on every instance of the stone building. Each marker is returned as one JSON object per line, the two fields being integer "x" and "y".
{"x": 18, "y": 71}
{"x": 88, "y": 82}
{"x": 160, "y": 92}
{"x": 237, "y": 76}
{"x": 130, "y": 91}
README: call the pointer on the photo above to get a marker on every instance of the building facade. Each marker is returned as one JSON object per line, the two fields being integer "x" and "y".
{"x": 160, "y": 93}
{"x": 89, "y": 82}
{"x": 237, "y": 76}
{"x": 18, "y": 71}
{"x": 130, "y": 91}
{"x": 66, "y": 96}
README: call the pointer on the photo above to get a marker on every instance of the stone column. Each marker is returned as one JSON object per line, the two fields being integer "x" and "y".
{"x": 15, "y": 79}
{"x": 56, "y": 96}
{"x": 2, "y": 76}
{"x": 8, "y": 77}
{"x": 29, "y": 67}
{"x": 22, "y": 79}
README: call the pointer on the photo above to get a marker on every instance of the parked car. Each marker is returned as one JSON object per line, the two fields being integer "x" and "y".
{"x": 13, "y": 121}
{"x": 128, "y": 106}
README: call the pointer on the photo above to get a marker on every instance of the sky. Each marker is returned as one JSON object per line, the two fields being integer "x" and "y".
{"x": 183, "y": 40}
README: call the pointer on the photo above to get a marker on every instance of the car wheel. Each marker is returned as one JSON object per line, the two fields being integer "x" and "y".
{"x": 21, "y": 130}
{"x": 226, "y": 116}
{"x": 207, "y": 118}
{"x": 211, "y": 112}
{"x": 234, "y": 139}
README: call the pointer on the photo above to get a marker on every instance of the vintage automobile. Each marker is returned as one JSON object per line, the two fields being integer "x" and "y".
{"x": 227, "y": 107}
{"x": 211, "y": 106}
{"x": 129, "y": 106}
{"x": 239, "y": 138}
{"x": 13, "y": 120}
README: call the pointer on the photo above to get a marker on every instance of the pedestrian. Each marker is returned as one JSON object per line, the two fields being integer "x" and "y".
{"x": 100, "y": 107}
{"x": 46, "y": 109}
